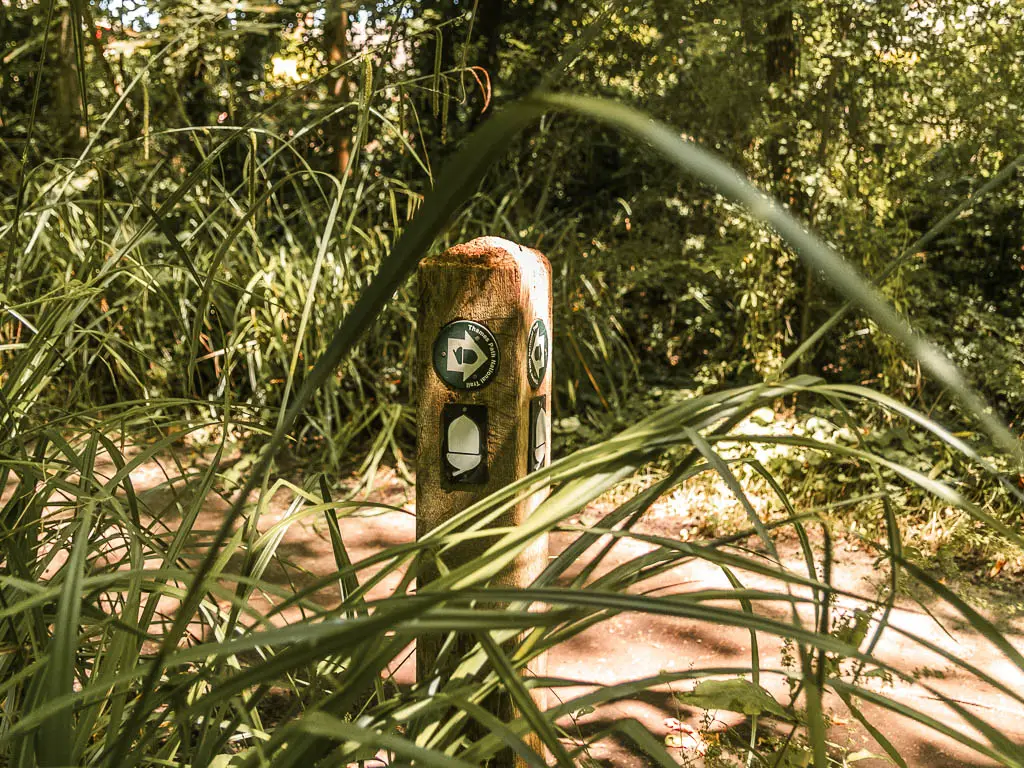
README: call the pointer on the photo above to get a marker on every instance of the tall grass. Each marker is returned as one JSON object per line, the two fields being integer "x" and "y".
{"x": 280, "y": 308}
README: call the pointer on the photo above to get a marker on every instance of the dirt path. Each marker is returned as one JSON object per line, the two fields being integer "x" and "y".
{"x": 631, "y": 646}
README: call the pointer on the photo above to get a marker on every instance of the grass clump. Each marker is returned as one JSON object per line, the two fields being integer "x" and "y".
{"x": 237, "y": 295}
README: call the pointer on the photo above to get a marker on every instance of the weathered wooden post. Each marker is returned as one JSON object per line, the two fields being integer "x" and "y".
{"x": 485, "y": 392}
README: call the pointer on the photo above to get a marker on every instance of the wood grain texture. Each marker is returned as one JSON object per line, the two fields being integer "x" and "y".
{"x": 505, "y": 287}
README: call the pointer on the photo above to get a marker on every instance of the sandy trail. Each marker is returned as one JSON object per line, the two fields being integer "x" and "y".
{"x": 630, "y": 646}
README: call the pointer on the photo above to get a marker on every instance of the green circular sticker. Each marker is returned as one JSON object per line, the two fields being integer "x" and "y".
{"x": 538, "y": 351}
{"x": 465, "y": 355}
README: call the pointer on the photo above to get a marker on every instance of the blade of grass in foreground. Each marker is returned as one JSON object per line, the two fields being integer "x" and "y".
{"x": 703, "y": 164}
{"x": 457, "y": 183}
{"x": 56, "y": 735}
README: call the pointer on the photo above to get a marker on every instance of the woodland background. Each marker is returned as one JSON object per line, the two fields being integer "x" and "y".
{"x": 871, "y": 120}
{"x": 195, "y": 195}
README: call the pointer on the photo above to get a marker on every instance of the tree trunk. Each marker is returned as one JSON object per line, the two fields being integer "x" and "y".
{"x": 71, "y": 122}
{"x": 780, "y": 74}
{"x": 336, "y": 41}
{"x": 490, "y": 15}
{"x": 780, "y": 71}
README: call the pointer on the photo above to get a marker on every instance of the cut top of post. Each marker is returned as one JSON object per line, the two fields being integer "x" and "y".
{"x": 489, "y": 252}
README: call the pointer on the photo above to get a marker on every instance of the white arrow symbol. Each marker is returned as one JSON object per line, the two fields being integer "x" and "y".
{"x": 466, "y": 347}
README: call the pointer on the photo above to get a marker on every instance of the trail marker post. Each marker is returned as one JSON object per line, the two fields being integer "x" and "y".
{"x": 484, "y": 365}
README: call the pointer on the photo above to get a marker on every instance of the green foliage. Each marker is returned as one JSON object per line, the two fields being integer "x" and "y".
{"x": 737, "y": 695}
{"x": 196, "y": 246}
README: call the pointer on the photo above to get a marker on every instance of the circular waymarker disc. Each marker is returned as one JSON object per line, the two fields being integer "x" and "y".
{"x": 538, "y": 352}
{"x": 465, "y": 355}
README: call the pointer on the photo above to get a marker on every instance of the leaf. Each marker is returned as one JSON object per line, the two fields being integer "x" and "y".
{"x": 737, "y": 695}
{"x": 229, "y": 761}
{"x": 793, "y": 757}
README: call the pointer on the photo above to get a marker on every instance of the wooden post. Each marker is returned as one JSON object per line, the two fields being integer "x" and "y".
{"x": 484, "y": 369}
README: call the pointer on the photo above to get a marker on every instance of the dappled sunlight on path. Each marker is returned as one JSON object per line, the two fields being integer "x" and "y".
{"x": 630, "y": 646}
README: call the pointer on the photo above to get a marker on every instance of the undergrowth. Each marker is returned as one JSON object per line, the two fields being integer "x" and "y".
{"x": 274, "y": 302}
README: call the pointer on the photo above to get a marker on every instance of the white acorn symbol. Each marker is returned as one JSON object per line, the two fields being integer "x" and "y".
{"x": 540, "y": 450}
{"x": 464, "y": 451}
{"x": 465, "y": 356}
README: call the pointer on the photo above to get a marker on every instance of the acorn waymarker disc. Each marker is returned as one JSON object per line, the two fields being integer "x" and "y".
{"x": 465, "y": 355}
{"x": 538, "y": 352}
